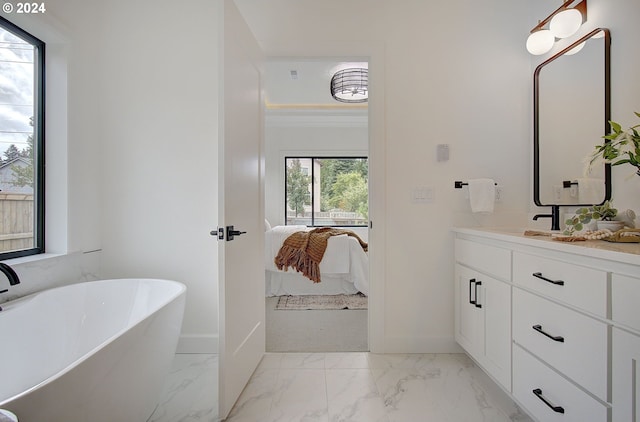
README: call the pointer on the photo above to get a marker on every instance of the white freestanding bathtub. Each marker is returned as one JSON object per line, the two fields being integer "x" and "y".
{"x": 89, "y": 352}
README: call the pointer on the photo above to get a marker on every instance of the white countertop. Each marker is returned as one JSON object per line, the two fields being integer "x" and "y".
{"x": 622, "y": 252}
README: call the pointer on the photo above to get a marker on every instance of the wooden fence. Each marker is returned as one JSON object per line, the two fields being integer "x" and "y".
{"x": 16, "y": 221}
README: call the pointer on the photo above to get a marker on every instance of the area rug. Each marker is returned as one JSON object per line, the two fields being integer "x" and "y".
{"x": 321, "y": 302}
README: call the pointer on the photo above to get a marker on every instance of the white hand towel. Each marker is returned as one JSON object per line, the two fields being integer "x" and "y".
{"x": 482, "y": 194}
{"x": 590, "y": 191}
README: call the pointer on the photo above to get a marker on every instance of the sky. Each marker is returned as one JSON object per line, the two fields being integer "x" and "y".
{"x": 16, "y": 91}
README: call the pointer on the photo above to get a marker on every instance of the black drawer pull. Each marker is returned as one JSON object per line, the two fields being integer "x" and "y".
{"x": 478, "y": 305}
{"x": 538, "y": 328}
{"x": 557, "y": 409}
{"x": 471, "y": 281}
{"x": 541, "y": 277}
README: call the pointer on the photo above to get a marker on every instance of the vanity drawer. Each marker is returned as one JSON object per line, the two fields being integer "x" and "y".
{"x": 625, "y": 299}
{"x": 574, "y": 344}
{"x": 486, "y": 258}
{"x": 583, "y": 287}
{"x": 530, "y": 374}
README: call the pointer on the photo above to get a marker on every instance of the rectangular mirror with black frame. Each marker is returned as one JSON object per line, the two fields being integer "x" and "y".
{"x": 572, "y": 109}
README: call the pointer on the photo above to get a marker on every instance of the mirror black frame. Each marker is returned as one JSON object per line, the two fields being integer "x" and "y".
{"x": 607, "y": 115}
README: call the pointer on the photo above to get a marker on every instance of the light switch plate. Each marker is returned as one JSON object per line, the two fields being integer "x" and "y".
{"x": 422, "y": 195}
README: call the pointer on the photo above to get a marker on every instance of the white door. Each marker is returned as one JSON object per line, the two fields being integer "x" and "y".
{"x": 469, "y": 324}
{"x": 241, "y": 256}
{"x": 496, "y": 304}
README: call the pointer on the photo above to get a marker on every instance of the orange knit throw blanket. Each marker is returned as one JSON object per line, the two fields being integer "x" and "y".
{"x": 304, "y": 250}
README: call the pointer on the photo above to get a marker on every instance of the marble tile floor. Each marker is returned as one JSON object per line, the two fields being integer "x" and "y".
{"x": 190, "y": 391}
{"x": 359, "y": 387}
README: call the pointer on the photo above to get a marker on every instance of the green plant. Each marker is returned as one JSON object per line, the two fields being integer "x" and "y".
{"x": 620, "y": 147}
{"x": 585, "y": 215}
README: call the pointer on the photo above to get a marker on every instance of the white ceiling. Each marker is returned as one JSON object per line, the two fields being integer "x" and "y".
{"x": 311, "y": 86}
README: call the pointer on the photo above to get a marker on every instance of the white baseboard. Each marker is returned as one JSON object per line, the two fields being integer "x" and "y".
{"x": 208, "y": 343}
{"x": 421, "y": 345}
{"x": 197, "y": 343}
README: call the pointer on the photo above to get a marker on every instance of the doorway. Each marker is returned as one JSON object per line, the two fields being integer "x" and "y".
{"x": 315, "y": 148}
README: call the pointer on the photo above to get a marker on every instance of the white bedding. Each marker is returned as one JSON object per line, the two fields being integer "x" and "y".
{"x": 344, "y": 268}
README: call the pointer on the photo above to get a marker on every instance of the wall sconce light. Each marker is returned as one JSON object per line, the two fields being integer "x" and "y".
{"x": 350, "y": 85}
{"x": 563, "y": 22}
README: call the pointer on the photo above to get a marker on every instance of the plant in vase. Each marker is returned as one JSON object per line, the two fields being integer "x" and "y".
{"x": 620, "y": 147}
{"x": 600, "y": 213}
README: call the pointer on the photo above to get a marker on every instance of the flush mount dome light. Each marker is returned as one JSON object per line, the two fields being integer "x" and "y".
{"x": 350, "y": 85}
{"x": 566, "y": 23}
{"x": 540, "y": 42}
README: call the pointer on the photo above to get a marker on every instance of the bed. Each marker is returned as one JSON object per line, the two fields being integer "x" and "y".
{"x": 344, "y": 267}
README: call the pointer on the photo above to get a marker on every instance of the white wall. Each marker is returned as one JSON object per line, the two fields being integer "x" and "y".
{"x": 621, "y": 18}
{"x": 455, "y": 73}
{"x": 319, "y": 133}
{"x": 132, "y": 91}
{"x": 73, "y": 232}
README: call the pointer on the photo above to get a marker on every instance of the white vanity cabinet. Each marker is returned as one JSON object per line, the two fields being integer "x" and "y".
{"x": 625, "y": 296}
{"x": 626, "y": 376}
{"x": 560, "y": 349}
{"x": 574, "y": 322}
{"x": 483, "y": 307}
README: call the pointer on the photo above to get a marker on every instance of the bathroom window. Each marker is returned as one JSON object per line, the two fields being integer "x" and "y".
{"x": 21, "y": 142}
{"x": 327, "y": 191}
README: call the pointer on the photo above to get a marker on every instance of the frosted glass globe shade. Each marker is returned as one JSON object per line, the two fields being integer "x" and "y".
{"x": 565, "y": 23}
{"x": 540, "y": 42}
{"x": 575, "y": 49}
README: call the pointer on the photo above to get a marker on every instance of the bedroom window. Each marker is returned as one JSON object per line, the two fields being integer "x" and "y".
{"x": 21, "y": 142}
{"x": 327, "y": 191}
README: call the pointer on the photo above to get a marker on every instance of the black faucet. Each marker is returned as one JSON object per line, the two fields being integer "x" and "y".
{"x": 555, "y": 217}
{"x": 11, "y": 275}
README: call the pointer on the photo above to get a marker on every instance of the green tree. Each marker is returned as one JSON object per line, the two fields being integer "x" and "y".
{"x": 11, "y": 153}
{"x": 24, "y": 176}
{"x": 297, "y": 187}
{"x": 331, "y": 168}
{"x": 350, "y": 193}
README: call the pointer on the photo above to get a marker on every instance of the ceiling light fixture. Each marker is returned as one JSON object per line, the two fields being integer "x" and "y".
{"x": 563, "y": 22}
{"x": 350, "y": 85}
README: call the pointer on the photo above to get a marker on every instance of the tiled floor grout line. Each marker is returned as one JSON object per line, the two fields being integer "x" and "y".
{"x": 326, "y": 386}
{"x": 272, "y": 398}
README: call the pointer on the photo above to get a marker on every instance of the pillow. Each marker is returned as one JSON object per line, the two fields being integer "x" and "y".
{"x": 267, "y": 226}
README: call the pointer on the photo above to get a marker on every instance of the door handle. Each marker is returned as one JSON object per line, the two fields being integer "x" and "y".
{"x": 219, "y": 233}
{"x": 231, "y": 233}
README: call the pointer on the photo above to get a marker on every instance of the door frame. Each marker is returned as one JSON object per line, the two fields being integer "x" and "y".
{"x": 373, "y": 53}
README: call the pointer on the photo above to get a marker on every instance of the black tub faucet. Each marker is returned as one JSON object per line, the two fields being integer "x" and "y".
{"x": 10, "y": 273}
{"x": 555, "y": 217}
